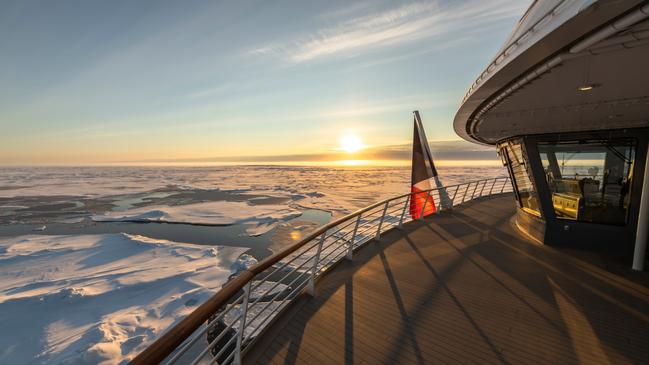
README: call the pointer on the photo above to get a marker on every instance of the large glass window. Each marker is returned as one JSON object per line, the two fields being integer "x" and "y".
{"x": 590, "y": 180}
{"x": 516, "y": 160}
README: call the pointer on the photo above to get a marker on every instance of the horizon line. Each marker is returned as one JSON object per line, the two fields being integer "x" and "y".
{"x": 331, "y": 163}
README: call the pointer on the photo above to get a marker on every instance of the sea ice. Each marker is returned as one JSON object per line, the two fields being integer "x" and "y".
{"x": 335, "y": 189}
{"x": 260, "y": 218}
{"x": 103, "y": 298}
{"x": 91, "y": 299}
{"x": 243, "y": 262}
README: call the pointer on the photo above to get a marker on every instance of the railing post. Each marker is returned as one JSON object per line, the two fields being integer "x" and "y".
{"x": 350, "y": 249}
{"x": 454, "y": 194}
{"x": 492, "y": 186}
{"x": 403, "y": 212}
{"x": 242, "y": 323}
{"x": 315, "y": 264}
{"x": 378, "y": 231}
{"x": 423, "y": 208}
{"x": 465, "y": 191}
{"x": 505, "y": 183}
{"x": 474, "y": 189}
{"x": 483, "y": 186}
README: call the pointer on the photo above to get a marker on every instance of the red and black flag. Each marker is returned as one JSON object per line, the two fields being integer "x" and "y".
{"x": 423, "y": 170}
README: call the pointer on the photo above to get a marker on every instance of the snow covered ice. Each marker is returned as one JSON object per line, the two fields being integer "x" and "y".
{"x": 260, "y": 218}
{"x": 91, "y": 298}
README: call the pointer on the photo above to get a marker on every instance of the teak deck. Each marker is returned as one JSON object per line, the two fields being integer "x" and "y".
{"x": 465, "y": 287}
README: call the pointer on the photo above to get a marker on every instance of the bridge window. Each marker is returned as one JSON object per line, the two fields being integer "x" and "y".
{"x": 590, "y": 181}
{"x": 515, "y": 158}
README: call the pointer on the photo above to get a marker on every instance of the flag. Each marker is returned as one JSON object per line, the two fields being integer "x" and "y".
{"x": 423, "y": 170}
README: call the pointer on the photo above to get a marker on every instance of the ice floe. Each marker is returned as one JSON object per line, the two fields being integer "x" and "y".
{"x": 243, "y": 262}
{"x": 260, "y": 218}
{"x": 99, "y": 298}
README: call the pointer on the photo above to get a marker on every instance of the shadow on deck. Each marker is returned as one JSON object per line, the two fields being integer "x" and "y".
{"x": 464, "y": 287}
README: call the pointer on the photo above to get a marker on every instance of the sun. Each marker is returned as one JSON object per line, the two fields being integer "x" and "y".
{"x": 350, "y": 143}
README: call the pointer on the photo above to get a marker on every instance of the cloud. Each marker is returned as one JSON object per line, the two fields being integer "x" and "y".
{"x": 402, "y": 56}
{"x": 394, "y": 26}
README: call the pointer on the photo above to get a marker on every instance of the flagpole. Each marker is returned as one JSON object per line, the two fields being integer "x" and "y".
{"x": 424, "y": 142}
{"x": 445, "y": 200}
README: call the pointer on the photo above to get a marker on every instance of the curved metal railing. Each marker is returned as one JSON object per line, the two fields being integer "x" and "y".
{"x": 225, "y": 326}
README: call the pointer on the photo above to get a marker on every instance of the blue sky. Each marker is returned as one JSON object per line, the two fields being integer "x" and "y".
{"x": 106, "y": 81}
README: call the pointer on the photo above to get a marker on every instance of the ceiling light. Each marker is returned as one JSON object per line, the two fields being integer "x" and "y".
{"x": 588, "y": 87}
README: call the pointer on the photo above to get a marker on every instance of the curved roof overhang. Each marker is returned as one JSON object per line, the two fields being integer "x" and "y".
{"x": 544, "y": 63}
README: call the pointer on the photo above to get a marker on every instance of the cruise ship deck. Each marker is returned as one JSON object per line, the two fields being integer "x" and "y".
{"x": 464, "y": 286}
{"x": 565, "y": 103}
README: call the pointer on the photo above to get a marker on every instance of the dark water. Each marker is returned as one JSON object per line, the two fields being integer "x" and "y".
{"x": 230, "y": 235}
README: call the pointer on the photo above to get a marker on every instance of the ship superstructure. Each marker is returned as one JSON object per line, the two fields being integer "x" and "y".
{"x": 566, "y": 102}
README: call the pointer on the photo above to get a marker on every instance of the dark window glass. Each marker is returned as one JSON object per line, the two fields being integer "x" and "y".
{"x": 589, "y": 181}
{"x": 516, "y": 159}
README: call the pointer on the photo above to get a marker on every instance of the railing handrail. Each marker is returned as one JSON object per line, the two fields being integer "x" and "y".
{"x": 174, "y": 337}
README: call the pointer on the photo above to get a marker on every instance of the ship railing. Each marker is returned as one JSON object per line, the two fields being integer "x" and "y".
{"x": 222, "y": 329}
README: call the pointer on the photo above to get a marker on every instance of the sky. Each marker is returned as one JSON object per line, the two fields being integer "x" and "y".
{"x": 86, "y": 81}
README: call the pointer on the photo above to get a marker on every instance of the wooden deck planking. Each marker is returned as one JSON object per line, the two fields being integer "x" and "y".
{"x": 464, "y": 287}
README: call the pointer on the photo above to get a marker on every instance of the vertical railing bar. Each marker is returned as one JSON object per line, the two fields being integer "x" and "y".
{"x": 504, "y": 183}
{"x": 474, "y": 190}
{"x": 378, "y": 231}
{"x": 242, "y": 323}
{"x": 466, "y": 190}
{"x": 492, "y": 186}
{"x": 423, "y": 208}
{"x": 323, "y": 259}
{"x": 454, "y": 194}
{"x": 439, "y": 206}
{"x": 350, "y": 251}
{"x": 483, "y": 186}
{"x": 315, "y": 265}
{"x": 403, "y": 212}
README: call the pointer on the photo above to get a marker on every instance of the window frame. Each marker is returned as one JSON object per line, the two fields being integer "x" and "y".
{"x": 589, "y": 139}
{"x": 503, "y": 149}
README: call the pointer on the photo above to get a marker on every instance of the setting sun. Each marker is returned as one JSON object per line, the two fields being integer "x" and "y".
{"x": 350, "y": 143}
